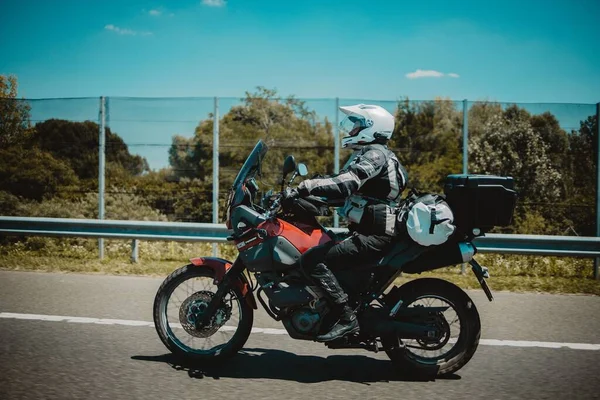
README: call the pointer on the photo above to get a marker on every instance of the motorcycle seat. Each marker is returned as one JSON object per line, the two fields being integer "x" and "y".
{"x": 403, "y": 252}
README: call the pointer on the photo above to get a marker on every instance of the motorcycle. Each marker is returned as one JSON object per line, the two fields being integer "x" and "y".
{"x": 428, "y": 327}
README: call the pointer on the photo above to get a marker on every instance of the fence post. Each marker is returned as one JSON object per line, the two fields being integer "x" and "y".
{"x": 597, "y": 260}
{"x": 135, "y": 244}
{"x": 101, "y": 162}
{"x": 465, "y": 131}
{"x": 215, "y": 196}
{"x": 336, "y": 153}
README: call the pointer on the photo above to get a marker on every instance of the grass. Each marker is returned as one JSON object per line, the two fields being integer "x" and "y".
{"x": 89, "y": 266}
{"x": 508, "y": 272}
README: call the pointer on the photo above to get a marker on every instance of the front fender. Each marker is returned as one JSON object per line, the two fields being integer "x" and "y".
{"x": 220, "y": 267}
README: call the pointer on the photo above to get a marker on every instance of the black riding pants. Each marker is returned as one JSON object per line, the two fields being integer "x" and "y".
{"x": 354, "y": 252}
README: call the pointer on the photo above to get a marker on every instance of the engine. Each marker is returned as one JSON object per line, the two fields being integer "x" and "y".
{"x": 305, "y": 320}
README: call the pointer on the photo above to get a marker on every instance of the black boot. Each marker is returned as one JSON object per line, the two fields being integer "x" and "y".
{"x": 329, "y": 283}
{"x": 346, "y": 325}
{"x": 347, "y": 322}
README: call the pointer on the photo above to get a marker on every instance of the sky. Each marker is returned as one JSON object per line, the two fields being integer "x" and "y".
{"x": 510, "y": 51}
{"x": 518, "y": 51}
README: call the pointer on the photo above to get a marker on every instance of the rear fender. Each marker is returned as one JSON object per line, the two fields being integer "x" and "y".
{"x": 220, "y": 267}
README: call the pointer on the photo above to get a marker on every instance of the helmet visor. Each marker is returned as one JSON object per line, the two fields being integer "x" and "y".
{"x": 351, "y": 126}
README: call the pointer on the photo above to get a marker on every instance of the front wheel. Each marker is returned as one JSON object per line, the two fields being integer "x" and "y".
{"x": 459, "y": 325}
{"x": 180, "y": 302}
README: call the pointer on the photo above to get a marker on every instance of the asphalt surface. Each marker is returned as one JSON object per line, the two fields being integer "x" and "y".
{"x": 67, "y": 360}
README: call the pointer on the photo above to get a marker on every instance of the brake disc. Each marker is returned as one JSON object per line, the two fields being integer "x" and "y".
{"x": 192, "y": 310}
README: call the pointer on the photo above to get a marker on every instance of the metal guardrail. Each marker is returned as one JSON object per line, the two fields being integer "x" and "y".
{"x": 114, "y": 229}
{"x": 573, "y": 246}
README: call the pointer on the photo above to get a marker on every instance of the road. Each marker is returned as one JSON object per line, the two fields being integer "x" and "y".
{"x": 534, "y": 346}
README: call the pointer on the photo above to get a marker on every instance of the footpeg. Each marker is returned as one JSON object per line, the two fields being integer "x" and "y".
{"x": 396, "y": 308}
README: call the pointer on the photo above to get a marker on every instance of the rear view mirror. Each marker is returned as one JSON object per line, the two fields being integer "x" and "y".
{"x": 302, "y": 170}
{"x": 289, "y": 165}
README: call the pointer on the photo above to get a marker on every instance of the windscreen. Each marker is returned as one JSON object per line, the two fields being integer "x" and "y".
{"x": 252, "y": 164}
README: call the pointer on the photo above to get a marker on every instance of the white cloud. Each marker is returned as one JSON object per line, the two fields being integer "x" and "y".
{"x": 420, "y": 73}
{"x": 429, "y": 73}
{"x": 125, "y": 31}
{"x": 214, "y": 3}
{"x": 155, "y": 13}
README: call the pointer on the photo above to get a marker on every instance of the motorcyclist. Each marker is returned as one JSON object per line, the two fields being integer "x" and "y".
{"x": 371, "y": 183}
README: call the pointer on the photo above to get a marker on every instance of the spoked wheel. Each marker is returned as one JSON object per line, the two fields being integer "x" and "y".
{"x": 181, "y": 301}
{"x": 459, "y": 330}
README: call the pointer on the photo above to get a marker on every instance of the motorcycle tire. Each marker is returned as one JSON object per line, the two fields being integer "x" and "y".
{"x": 410, "y": 364}
{"x": 170, "y": 340}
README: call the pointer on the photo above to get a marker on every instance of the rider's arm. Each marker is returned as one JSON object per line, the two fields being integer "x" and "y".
{"x": 342, "y": 185}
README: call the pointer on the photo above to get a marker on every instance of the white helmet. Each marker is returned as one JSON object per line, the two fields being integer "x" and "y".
{"x": 365, "y": 124}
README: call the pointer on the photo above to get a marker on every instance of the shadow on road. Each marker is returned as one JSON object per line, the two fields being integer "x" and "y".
{"x": 256, "y": 363}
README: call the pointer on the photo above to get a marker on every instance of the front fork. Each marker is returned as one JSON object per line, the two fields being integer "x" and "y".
{"x": 224, "y": 286}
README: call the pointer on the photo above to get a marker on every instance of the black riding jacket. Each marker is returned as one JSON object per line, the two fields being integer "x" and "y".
{"x": 372, "y": 171}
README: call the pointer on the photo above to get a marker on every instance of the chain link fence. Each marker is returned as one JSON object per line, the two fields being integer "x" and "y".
{"x": 159, "y": 153}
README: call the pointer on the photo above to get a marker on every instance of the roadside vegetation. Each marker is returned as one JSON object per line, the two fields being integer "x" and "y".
{"x": 508, "y": 272}
{"x": 49, "y": 168}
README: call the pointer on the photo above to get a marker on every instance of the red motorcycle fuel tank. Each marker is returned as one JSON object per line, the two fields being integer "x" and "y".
{"x": 282, "y": 247}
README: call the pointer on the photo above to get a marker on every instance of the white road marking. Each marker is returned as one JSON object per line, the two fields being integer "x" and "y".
{"x": 275, "y": 331}
{"x": 547, "y": 345}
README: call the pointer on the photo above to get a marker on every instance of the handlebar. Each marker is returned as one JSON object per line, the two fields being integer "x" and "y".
{"x": 273, "y": 209}
{"x": 277, "y": 199}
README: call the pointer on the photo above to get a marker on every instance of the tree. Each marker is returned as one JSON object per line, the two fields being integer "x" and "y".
{"x": 479, "y": 114}
{"x": 33, "y": 174}
{"x": 509, "y": 146}
{"x": 14, "y": 113}
{"x": 427, "y": 139}
{"x": 77, "y": 144}
{"x": 583, "y": 149}
{"x": 184, "y": 160}
{"x": 583, "y": 156}
{"x": 547, "y": 127}
{"x": 286, "y": 125}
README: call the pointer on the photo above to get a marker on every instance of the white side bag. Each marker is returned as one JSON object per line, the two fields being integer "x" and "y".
{"x": 429, "y": 220}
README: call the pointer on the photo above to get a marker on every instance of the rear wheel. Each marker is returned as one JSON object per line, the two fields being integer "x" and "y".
{"x": 459, "y": 327}
{"x": 180, "y": 302}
